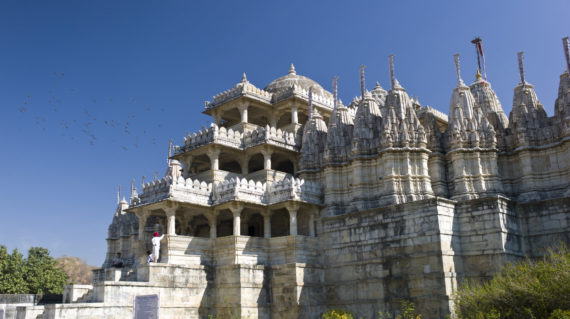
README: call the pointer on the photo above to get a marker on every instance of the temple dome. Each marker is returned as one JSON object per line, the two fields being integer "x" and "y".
{"x": 284, "y": 83}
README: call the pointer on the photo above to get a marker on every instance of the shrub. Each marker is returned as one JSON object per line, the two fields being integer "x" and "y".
{"x": 530, "y": 289}
{"x": 337, "y": 314}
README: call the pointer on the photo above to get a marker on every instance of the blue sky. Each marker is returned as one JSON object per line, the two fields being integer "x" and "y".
{"x": 92, "y": 91}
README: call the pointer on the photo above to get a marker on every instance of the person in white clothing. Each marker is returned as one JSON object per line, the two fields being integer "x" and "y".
{"x": 156, "y": 246}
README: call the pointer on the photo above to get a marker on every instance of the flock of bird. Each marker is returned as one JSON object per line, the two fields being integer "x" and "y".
{"x": 92, "y": 117}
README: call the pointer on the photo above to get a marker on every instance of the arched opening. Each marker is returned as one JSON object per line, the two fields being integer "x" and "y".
{"x": 200, "y": 163}
{"x": 228, "y": 163}
{"x": 231, "y": 117}
{"x": 252, "y": 225}
{"x": 257, "y": 116}
{"x": 224, "y": 226}
{"x": 199, "y": 226}
{"x": 280, "y": 223}
{"x": 255, "y": 163}
{"x": 180, "y": 228}
{"x": 284, "y": 119}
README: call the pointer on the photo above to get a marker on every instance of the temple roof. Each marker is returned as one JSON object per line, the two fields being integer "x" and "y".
{"x": 292, "y": 78}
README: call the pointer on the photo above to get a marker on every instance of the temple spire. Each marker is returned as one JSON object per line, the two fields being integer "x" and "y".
{"x": 458, "y": 70}
{"x": 335, "y": 94}
{"x": 362, "y": 84}
{"x": 521, "y": 67}
{"x": 392, "y": 77}
{"x": 310, "y": 103}
{"x": 169, "y": 152}
{"x": 292, "y": 69}
{"x": 243, "y": 78}
{"x": 119, "y": 195}
{"x": 566, "y": 49}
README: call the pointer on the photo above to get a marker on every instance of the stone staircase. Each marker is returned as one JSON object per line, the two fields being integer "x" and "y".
{"x": 87, "y": 297}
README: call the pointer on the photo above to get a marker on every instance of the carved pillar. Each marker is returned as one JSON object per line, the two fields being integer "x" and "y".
{"x": 236, "y": 211}
{"x": 186, "y": 168}
{"x": 171, "y": 221}
{"x": 243, "y": 112}
{"x": 293, "y": 209}
{"x": 243, "y": 164}
{"x": 294, "y": 115}
{"x": 213, "y": 221}
{"x": 214, "y": 155}
{"x": 266, "y": 159}
{"x": 142, "y": 215}
{"x": 266, "y": 223}
{"x": 217, "y": 117}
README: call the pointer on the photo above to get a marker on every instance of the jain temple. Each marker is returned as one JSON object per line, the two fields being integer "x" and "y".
{"x": 292, "y": 203}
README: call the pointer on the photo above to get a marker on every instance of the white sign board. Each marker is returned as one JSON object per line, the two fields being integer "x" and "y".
{"x": 146, "y": 307}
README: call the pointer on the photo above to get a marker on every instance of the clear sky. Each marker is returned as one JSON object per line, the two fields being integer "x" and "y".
{"x": 92, "y": 91}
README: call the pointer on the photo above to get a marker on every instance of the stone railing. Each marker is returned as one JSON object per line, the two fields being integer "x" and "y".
{"x": 234, "y": 189}
{"x": 192, "y": 191}
{"x": 301, "y": 92}
{"x": 153, "y": 192}
{"x": 293, "y": 188}
{"x": 242, "y": 88}
{"x": 271, "y": 135}
{"x": 236, "y": 139}
{"x": 240, "y": 190}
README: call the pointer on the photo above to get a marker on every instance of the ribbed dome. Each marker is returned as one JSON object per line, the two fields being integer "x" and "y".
{"x": 285, "y": 82}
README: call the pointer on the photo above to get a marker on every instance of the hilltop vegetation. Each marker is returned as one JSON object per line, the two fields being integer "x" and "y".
{"x": 78, "y": 271}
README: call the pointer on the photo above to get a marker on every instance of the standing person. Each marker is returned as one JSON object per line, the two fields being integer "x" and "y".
{"x": 156, "y": 246}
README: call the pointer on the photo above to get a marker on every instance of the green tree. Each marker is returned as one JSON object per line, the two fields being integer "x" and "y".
{"x": 11, "y": 276}
{"x": 530, "y": 289}
{"x": 41, "y": 274}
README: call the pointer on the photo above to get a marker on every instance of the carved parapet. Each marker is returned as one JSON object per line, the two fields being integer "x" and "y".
{"x": 244, "y": 190}
{"x": 184, "y": 190}
{"x": 273, "y": 136}
{"x": 241, "y": 89}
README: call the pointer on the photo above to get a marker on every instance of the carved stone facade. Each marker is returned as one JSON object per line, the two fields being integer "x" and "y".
{"x": 277, "y": 212}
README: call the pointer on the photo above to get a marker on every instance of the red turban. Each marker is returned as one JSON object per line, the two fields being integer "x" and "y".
{"x": 156, "y": 234}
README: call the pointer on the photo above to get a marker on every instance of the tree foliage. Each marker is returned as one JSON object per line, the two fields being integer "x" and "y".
{"x": 36, "y": 274}
{"x": 530, "y": 289}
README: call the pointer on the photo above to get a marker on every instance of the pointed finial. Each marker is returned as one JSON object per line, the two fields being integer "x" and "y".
{"x": 478, "y": 75}
{"x": 155, "y": 175}
{"x": 292, "y": 69}
{"x": 458, "y": 70}
{"x": 119, "y": 195}
{"x": 243, "y": 78}
{"x": 566, "y": 49}
{"x": 392, "y": 77}
{"x": 362, "y": 84}
{"x": 132, "y": 188}
{"x": 521, "y": 67}
{"x": 478, "y": 42}
{"x": 310, "y": 102}
{"x": 169, "y": 152}
{"x": 335, "y": 94}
